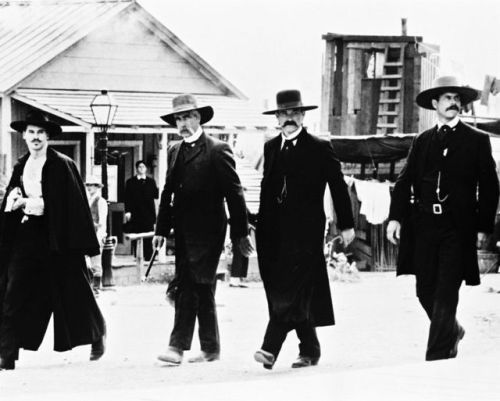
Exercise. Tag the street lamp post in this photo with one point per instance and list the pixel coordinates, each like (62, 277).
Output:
(104, 108)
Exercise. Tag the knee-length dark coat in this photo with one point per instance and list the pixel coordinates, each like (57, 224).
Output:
(77, 317)
(473, 194)
(193, 204)
(140, 198)
(290, 245)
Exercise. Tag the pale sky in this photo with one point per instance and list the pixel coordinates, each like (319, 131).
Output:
(263, 46)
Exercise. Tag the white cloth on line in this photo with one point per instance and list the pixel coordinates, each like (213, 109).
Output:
(375, 198)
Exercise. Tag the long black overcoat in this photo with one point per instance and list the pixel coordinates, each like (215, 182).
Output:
(140, 198)
(473, 194)
(77, 319)
(194, 206)
(294, 273)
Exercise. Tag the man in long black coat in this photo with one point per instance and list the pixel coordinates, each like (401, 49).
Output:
(290, 232)
(46, 230)
(140, 212)
(201, 174)
(450, 174)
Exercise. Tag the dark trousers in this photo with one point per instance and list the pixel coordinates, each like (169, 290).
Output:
(277, 331)
(439, 276)
(194, 300)
(239, 264)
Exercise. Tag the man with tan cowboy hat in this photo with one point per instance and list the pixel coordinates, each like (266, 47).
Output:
(290, 231)
(99, 212)
(443, 206)
(46, 230)
(201, 175)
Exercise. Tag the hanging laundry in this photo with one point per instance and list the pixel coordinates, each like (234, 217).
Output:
(375, 198)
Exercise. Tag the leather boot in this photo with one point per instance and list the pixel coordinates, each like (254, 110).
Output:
(7, 364)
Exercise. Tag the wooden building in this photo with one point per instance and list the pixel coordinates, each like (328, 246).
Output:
(370, 83)
(368, 93)
(56, 55)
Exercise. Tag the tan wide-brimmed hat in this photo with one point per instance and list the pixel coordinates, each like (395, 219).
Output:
(289, 99)
(444, 84)
(187, 102)
(39, 119)
(94, 180)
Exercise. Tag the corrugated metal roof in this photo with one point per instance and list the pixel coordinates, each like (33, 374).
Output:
(33, 33)
(145, 109)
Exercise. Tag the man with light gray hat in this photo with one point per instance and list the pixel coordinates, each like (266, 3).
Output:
(443, 206)
(201, 175)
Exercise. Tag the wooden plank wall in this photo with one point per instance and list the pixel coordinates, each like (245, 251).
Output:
(124, 56)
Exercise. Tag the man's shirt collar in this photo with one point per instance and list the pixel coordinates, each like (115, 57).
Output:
(195, 136)
(292, 137)
(452, 124)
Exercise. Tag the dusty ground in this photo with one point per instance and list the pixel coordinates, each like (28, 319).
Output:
(380, 328)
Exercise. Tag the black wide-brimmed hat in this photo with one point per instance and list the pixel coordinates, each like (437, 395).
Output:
(39, 119)
(187, 102)
(289, 99)
(447, 84)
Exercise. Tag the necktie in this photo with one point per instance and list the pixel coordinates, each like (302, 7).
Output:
(443, 132)
(285, 151)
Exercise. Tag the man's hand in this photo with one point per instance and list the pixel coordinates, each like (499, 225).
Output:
(19, 203)
(158, 241)
(393, 231)
(481, 240)
(348, 236)
(128, 216)
(246, 246)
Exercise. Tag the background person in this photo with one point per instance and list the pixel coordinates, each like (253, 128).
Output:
(140, 211)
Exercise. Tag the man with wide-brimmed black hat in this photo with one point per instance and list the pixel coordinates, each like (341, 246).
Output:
(201, 175)
(443, 206)
(290, 231)
(46, 230)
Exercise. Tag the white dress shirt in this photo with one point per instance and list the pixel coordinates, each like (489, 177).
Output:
(292, 137)
(32, 182)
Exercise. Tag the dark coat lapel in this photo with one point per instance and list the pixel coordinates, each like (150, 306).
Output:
(421, 161)
(456, 141)
(274, 149)
(173, 156)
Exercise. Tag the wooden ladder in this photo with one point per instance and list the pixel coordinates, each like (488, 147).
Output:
(391, 90)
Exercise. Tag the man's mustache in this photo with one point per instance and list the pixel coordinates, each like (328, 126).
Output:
(453, 108)
(289, 122)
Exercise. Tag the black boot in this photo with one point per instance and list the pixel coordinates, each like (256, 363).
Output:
(98, 347)
(7, 364)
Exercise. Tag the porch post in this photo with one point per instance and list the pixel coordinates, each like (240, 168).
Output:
(162, 174)
(5, 133)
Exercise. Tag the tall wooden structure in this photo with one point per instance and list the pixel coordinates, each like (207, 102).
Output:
(370, 83)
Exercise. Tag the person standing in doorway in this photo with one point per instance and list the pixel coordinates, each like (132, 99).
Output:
(140, 211)
(443, 206)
